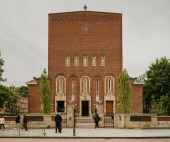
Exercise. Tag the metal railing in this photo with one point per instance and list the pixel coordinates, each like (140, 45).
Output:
(109, 120)
(35, 129)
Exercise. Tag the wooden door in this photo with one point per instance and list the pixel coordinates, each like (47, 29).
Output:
(109, 108)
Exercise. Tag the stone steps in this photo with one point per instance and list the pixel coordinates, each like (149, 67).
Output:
(85, 125)
(84, 122)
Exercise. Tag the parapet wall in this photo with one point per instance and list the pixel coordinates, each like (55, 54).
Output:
(129, 121)
(35, 120)
(141, 121)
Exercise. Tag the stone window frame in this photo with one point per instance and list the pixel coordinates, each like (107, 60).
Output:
(67, 60)
(109, 85)
(87, 91)
(60, 85)
(76, 60)
(94, 62)
(85, 61)
(102, 60)
(85, 85)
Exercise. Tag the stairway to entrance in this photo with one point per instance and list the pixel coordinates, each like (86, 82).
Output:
(84, 122)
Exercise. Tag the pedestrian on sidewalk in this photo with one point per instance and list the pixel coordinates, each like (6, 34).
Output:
(96, 120)
(17, 120)
(2, 122)
(25, 123)
(58, 120)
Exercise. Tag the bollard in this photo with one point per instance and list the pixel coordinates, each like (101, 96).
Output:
(74, 129)
(19, 133)
(44, 133)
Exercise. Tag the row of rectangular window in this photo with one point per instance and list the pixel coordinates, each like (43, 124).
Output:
(85, 61)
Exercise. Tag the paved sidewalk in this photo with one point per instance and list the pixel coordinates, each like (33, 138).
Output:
(89, 133)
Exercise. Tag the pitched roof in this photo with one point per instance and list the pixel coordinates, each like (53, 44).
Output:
(32, 81)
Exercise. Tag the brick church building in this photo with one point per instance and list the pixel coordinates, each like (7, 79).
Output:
(84, 63)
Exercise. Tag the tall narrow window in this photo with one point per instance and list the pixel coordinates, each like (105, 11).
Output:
(109, 88)
(97, 87)
(84, 85)
(60, 84)
(73, 87)
(109, 85)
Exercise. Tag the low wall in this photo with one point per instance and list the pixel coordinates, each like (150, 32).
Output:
(120, 121)
(141, 121)
(34, 120)
(163, 121)
(10, 121)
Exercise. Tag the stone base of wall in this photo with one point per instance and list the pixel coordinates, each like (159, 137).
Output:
(140, 121)
(129, 121)
(48, 121)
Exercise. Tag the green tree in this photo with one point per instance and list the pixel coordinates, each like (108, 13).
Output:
(159, 106)
(45, 93)
(153, 108)
(8, 99)
(125, 103)
(1, 69)
(23, 90)
(157, 84)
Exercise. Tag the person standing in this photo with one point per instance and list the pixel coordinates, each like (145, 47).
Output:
(17, 120)
(25, 123)
(96, 120)
(58, 120)
(2, 121)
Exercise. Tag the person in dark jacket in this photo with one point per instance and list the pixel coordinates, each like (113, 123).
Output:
(17, 120)
(96, 120)
(58, 120)
(25, 123)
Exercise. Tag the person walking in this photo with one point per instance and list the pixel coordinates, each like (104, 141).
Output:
(25, 120)
(58, 120)
(96, 120)
(2, 121)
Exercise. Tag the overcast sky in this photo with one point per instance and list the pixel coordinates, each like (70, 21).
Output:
(24, 33)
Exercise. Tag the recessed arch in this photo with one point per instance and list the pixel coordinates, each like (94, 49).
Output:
(109, 85)
(85, 85)
(60, 85)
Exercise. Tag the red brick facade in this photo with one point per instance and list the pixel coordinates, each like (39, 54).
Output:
(137, 96)
(84, 62)
(34, 105)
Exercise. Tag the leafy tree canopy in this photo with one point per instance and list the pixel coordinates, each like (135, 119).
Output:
(45, 93)
(125, 104)
(1, 69)
(23, 90)
(157, 83)
(7, 97)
